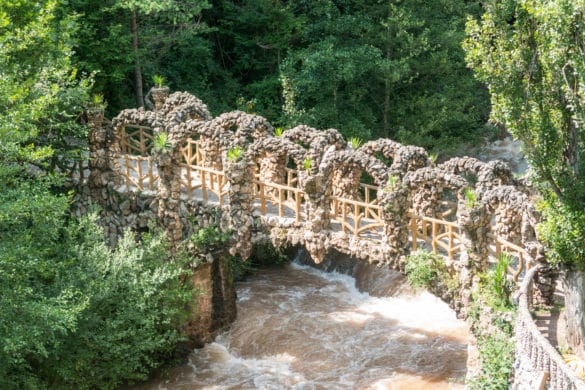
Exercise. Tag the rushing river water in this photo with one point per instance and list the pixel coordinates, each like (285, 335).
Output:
(301, 328)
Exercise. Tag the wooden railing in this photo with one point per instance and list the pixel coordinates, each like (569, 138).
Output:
(283, 197)
(369, 193)
(437, 233)
(520, 256)
(356, 217)
(139, 172)
(137, 140)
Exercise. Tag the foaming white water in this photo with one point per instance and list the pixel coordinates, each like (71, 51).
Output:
(299, 328)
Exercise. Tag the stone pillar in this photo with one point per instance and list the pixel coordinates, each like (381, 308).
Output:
(273, 169)
(210, 153)
(394, 207)
(425, 201)
(169, 192)
(474, 224)
(317, 209)
(159, 95)
(98, 155)
(215, 306)
(239, 175)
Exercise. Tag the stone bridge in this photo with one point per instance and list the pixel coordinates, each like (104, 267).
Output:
(378, 201)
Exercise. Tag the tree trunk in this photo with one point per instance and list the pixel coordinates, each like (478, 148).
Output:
(137, 70)
(574, 288)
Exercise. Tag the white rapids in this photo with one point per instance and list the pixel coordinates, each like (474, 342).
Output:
(300, 328)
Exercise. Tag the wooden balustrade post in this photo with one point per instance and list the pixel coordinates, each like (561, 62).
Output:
(434, 236)
(298, 206)
(204, 186)
(356, 219)
(280, 203)
(262, 199)
(414, 229)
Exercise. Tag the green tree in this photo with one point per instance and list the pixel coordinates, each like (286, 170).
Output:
(73, 314)
(531, 56)
(123, 40)
(386, 69)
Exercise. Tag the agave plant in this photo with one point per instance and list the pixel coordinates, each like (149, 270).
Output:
(355, 142)
(391, 183)
(235, 154)
(98, 102)
(161, 142)
(278, 131)
(470, 198)
(307, 163)
(159, 80)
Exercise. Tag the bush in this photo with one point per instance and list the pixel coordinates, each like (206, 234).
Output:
(425, 269)
(496, 353)
(93, 318)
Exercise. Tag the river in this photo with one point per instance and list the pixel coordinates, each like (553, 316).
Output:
(302, 328)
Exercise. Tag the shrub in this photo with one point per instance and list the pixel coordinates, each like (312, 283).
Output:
(209, 238)
(496, 353)
(563, 232)
(423, 268)
(135, 306)
(89, 317)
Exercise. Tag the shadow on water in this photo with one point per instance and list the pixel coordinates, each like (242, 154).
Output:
(300, 328)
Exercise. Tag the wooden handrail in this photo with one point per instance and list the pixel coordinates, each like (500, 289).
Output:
(284, 193)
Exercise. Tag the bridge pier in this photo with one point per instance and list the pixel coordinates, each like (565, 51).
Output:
(214, 308)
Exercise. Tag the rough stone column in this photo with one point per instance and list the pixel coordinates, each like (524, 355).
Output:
(159, 95)
(474, 225)
(425, 201)
(318, 218)
(98, 155)
(169, 192)
(239, 174)
(394, 207)
(508, 223)
(210, 153)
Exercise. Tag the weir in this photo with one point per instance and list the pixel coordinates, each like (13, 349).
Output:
(180, 167)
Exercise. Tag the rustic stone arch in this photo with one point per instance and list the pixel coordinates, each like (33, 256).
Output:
(180, 107)
(315, 142)
(483, 176)
(236, 128)
(270, 156)
(335, 160)
(427, 187)
(506, 209)
(403, 158)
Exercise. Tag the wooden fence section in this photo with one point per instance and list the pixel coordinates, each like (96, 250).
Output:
(356, 217)
(437, 233)
(284, 197)
(195, 177)
(369, 192)
(137, 140)
(521, 258)
(139, 172)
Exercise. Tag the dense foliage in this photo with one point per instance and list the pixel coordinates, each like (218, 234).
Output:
(531, 55)
(369, 68)
(73, 313)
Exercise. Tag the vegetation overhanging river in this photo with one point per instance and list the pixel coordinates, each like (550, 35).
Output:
(302, 328)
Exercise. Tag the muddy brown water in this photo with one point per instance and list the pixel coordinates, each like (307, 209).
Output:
(301, 328)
